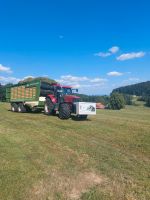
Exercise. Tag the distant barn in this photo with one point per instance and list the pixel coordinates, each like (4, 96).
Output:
(100, 106)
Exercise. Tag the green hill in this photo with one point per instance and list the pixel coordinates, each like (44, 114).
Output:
(139, 89)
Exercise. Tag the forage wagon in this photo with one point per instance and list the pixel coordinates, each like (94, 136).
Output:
(50, 98)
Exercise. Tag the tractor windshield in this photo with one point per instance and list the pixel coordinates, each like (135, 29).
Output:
(67, 91)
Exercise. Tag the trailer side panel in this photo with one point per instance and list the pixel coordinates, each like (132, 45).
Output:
(24, 92)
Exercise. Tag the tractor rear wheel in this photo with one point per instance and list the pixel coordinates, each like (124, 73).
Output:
(49, 107)
(21, 108)
(64, 111)
(14, 107)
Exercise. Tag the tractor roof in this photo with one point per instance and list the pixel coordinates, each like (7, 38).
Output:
(63, 86)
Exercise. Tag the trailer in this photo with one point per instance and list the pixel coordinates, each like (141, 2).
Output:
(50, 98)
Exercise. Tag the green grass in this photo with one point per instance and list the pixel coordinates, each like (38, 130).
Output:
(105, 157)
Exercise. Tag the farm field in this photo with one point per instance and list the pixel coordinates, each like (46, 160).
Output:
(105, 157)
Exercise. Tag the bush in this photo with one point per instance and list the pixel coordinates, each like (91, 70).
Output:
(128, 99)
(117, 101)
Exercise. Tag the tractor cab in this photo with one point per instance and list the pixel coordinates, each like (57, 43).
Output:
(65, 90)
(65, 93)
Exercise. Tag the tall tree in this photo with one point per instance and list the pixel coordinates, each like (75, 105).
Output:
(117, 101)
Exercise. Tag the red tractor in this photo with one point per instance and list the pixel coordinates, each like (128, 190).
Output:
(66, 103)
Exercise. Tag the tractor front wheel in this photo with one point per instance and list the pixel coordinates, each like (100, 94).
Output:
(64, 111)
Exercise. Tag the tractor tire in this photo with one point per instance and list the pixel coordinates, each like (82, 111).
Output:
(21, 108)
(14, 107)
(64, 111)
(49, 107)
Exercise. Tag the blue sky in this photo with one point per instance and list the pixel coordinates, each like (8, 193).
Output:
(95, 45)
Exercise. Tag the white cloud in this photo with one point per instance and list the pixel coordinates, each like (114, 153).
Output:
(111, 51)
(5, 69)
(114, 49)
(45, 75)
(128, 56)
(101, 54)
(98, 80)
(67, 78)
(86, 84)
(114, 73)
(131, 80)
(5, 80)
(76, 86)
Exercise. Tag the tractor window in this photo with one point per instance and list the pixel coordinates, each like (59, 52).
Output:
(67, 91)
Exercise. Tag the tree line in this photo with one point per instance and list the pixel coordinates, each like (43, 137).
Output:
(139, 89)
(142, 90)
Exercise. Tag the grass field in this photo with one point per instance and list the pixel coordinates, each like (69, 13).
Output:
(105, 157)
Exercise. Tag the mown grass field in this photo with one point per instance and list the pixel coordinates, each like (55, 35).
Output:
(105, 157)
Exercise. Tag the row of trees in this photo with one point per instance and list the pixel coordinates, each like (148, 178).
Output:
(139, 89)
(115, 101)
(94, 98)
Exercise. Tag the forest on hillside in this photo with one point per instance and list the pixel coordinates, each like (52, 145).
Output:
(139, 89)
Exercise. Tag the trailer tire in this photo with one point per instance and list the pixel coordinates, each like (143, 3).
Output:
(14, 107)
(49, 107)
(64, 111)
(21, 108)
(28, 109)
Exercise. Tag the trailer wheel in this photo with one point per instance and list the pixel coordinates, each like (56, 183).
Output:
(49, 107)
(14, 107)
(64, 111)
(28, 109)
(21, 108)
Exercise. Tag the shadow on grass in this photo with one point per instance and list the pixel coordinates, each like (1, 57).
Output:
(28, 112)
(78, 119)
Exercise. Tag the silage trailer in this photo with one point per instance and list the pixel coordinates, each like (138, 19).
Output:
(50, 98)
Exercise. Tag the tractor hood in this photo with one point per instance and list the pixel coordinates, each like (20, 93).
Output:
(70, 98)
